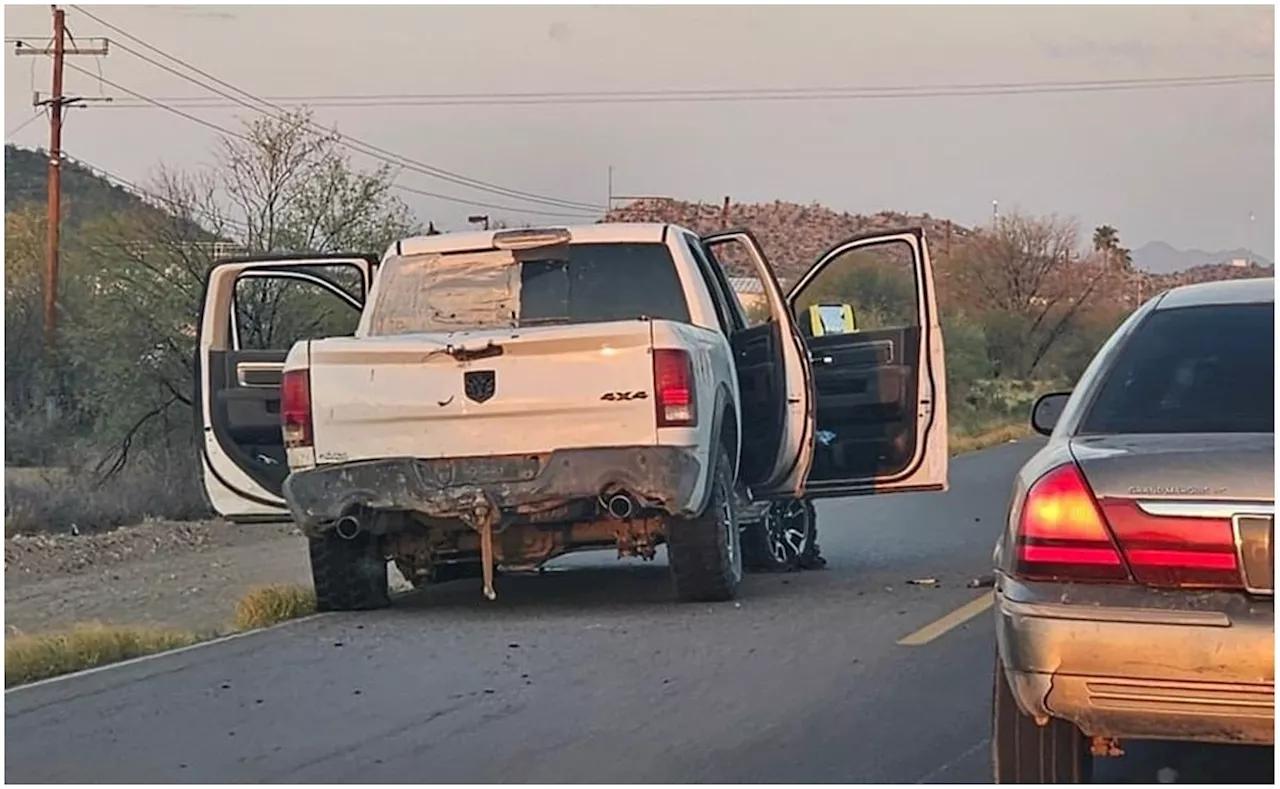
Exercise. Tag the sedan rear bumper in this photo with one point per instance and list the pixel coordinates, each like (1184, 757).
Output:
(1147, 665)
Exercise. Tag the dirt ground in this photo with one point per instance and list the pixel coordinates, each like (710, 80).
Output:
(184, 575)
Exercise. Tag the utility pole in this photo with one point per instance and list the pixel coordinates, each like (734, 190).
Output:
(610, 203)
(53, 218)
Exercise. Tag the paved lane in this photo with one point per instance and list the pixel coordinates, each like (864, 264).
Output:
(585, 675)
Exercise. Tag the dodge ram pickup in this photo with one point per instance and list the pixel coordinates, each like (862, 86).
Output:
(480, 402)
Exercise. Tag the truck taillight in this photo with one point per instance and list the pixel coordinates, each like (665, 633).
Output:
(1066, 534)
(295, 408)
(676, 399)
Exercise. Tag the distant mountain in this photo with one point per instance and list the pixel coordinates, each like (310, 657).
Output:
(1161, 258)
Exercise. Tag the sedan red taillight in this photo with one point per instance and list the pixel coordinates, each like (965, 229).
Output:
(1066, 534)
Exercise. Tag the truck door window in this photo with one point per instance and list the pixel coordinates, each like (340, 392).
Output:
(869, 289)
(274, 308)
(725, 314)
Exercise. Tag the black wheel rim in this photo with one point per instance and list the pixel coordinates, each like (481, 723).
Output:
(787, 529)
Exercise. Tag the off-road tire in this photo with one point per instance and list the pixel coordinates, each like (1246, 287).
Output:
(774, 545)
(349, 575)
(705, 553)
(1024, 753)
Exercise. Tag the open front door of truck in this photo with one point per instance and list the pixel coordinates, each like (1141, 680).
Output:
(880, 390)
(773, 379)
(254, 311)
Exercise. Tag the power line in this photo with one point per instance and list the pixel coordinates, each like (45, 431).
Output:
(703, 95)
(354, 143)
(24, 124)
(237, 135)
(140, 191)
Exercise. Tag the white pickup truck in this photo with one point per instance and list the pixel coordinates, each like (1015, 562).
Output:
(502, 398)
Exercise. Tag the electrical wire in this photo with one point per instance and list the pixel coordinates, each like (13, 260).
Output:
(744, 94)
(39, 114)
(401, 187)
(353, 143)
(124, 183)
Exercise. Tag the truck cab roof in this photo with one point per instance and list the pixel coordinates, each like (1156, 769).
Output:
(602, 233)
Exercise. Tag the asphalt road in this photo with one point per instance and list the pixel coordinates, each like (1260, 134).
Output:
(592, 675)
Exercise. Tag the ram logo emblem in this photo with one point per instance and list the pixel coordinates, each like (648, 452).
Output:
(479, 385)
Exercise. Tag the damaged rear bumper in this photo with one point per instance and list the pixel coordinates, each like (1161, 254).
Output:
(1141, 664)
(660, 478)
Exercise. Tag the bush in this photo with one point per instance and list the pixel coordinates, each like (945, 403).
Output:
(154, 486)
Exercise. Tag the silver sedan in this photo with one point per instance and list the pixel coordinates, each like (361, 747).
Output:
(1134, 578)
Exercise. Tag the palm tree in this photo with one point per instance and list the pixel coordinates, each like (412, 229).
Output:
(1106, 239)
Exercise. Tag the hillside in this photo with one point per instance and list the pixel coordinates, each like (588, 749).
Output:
(793, 236)
(86, 195)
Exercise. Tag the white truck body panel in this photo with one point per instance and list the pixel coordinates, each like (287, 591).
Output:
(404, 396)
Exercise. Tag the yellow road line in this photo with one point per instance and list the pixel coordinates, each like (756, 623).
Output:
(952, 620)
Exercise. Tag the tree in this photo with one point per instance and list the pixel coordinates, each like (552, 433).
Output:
(1106, 240)
(283, 187)
(1105, 237)
(1024, 277)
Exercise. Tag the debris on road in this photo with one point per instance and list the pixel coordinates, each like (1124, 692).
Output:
(982, 582)
(930, 582)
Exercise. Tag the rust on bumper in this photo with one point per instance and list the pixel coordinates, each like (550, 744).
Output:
(1139, 663)
(479, 490)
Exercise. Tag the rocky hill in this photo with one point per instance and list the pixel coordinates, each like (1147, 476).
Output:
(793, 236)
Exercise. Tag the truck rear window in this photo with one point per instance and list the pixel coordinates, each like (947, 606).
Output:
(1207, 369)
(576, 283)
(594, 283)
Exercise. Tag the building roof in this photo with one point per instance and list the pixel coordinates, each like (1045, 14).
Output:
(746, 285)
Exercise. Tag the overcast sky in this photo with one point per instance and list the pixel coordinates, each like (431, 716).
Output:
(1186, 166)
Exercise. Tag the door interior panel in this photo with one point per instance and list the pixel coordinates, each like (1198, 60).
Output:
(246, 412)
(865, 384)
(757, 354)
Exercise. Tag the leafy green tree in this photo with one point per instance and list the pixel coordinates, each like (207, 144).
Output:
(284, 187)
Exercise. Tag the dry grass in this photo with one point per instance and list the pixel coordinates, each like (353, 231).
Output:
(29, 658)
(32, 658)
(55, 499)
(268, 605)
(960, 442)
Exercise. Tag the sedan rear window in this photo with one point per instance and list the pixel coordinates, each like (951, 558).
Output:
(1204, 369)
(486, 289)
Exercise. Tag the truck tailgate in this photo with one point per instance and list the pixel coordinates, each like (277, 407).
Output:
(553, 387)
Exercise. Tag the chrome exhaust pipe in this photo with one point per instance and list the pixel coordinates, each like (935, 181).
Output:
(347, 527)
(620, 506)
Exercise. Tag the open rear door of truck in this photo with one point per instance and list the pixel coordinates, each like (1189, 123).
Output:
(254, 310)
